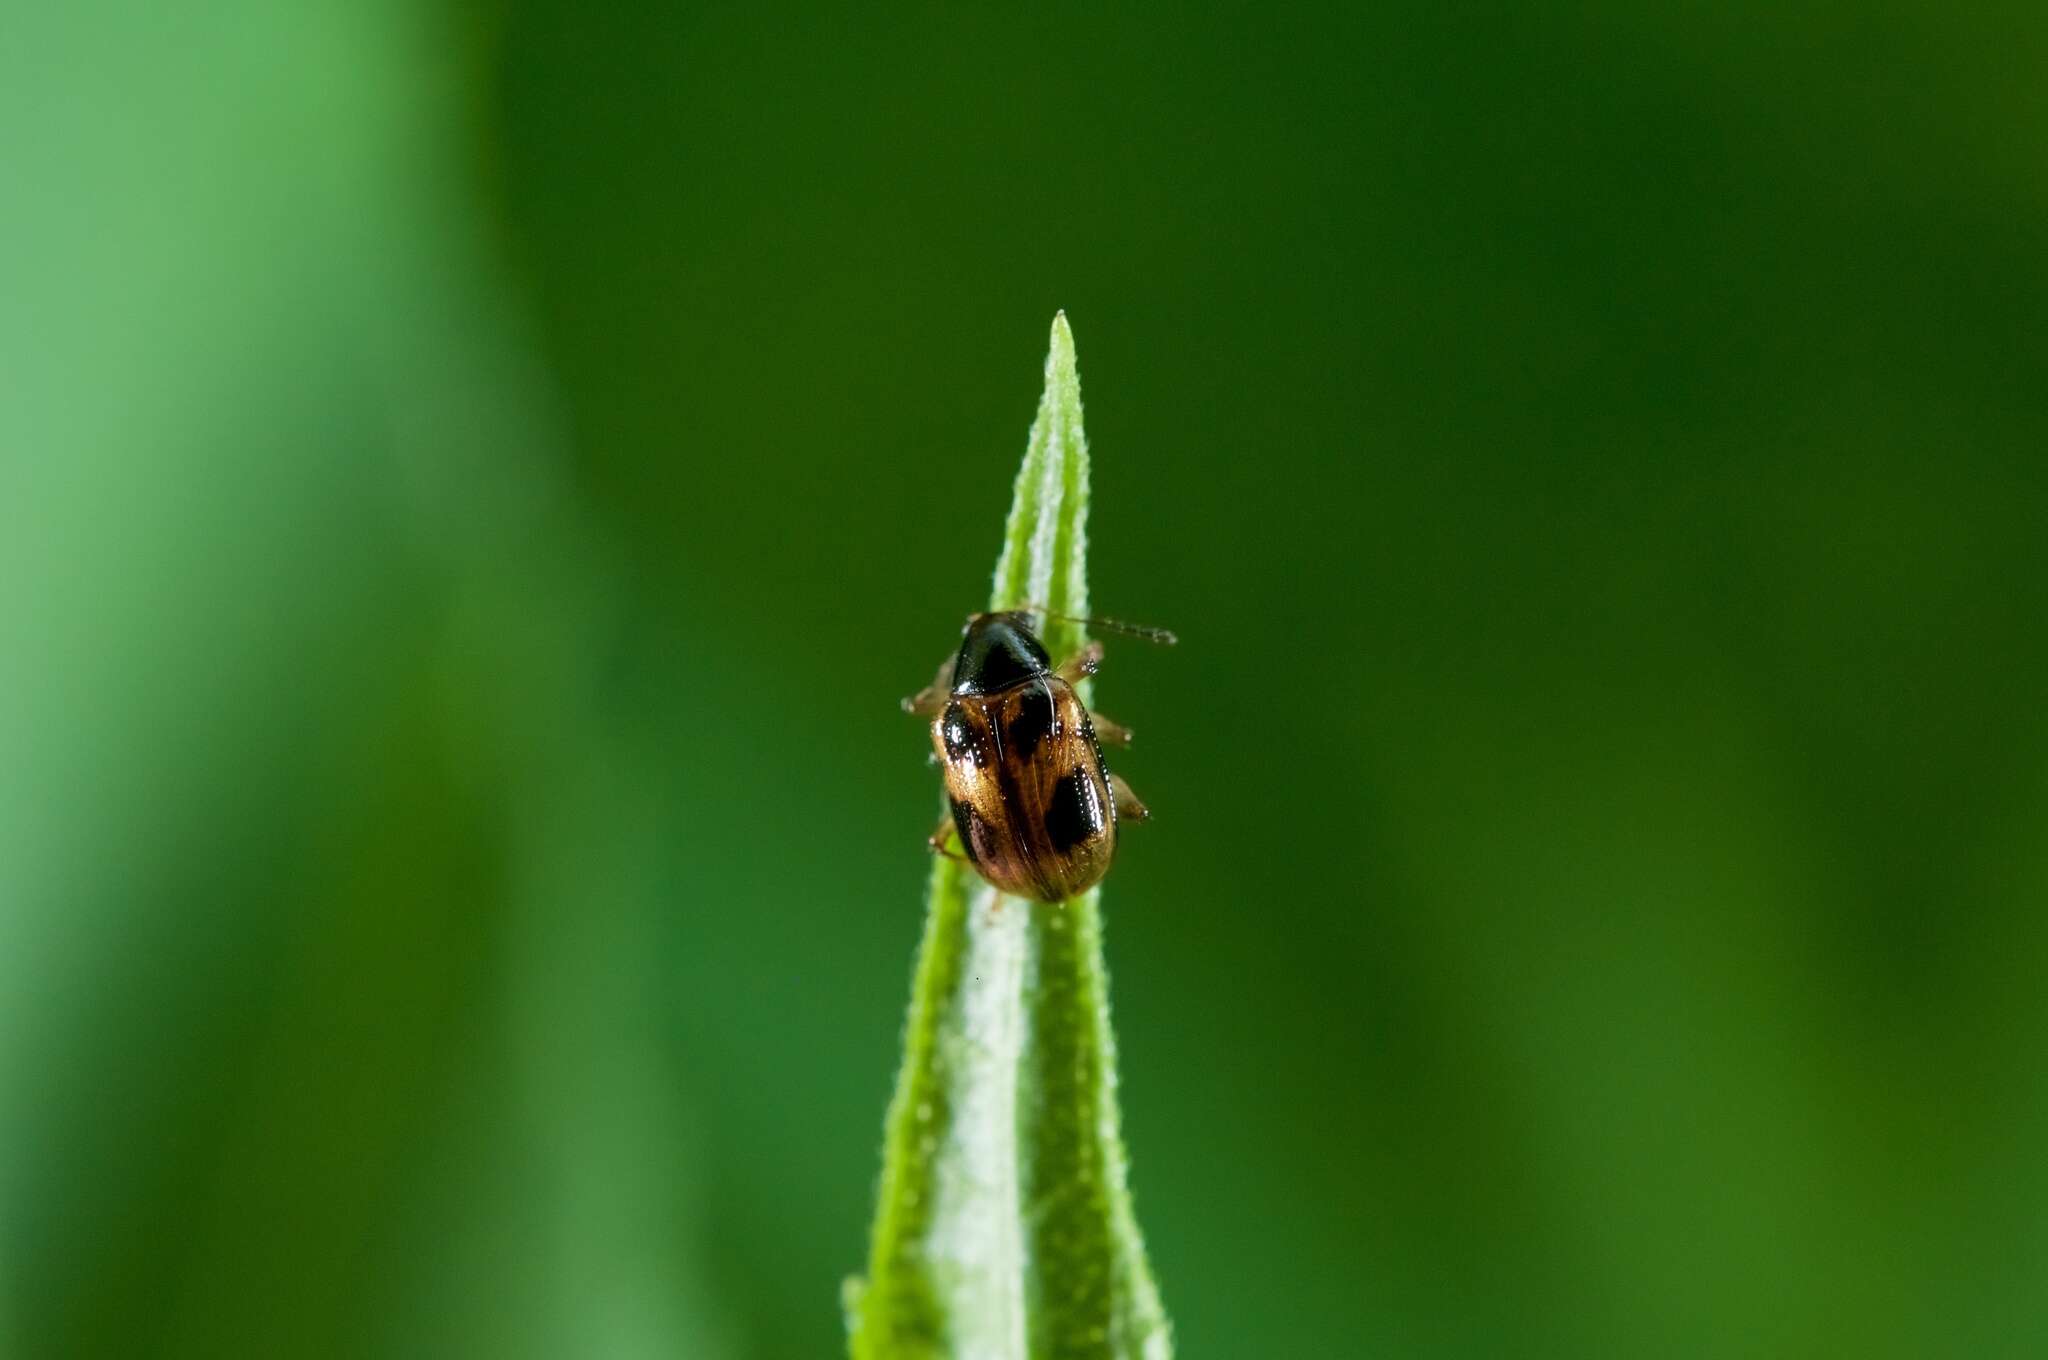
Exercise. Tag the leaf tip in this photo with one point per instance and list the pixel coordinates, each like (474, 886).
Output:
(1059, 357)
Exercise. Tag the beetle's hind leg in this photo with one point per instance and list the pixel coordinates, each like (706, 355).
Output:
(941, 834)
(930, 701)
(1128, 806)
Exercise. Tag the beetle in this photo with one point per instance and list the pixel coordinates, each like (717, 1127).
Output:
(1035, 805)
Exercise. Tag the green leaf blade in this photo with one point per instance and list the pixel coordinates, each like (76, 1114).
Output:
(1005, 1229)
(1045, 544)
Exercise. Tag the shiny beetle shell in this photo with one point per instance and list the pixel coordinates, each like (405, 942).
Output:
(1029, 791)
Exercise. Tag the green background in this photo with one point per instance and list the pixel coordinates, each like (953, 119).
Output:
(475, 480)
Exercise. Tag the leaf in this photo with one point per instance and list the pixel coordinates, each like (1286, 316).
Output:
(1004, 1229)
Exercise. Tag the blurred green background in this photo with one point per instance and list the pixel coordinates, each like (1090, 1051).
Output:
(475, 480)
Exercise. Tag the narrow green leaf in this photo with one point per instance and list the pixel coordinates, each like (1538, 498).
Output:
(1004, 1229)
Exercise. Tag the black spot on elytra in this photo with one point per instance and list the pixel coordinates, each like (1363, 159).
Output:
(965, 820)
(1032, 721)
(1073, 815)
(957, 735)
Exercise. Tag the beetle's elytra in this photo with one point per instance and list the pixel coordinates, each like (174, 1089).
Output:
(1031, 797)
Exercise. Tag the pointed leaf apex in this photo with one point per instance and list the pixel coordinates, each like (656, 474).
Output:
(1059, 353)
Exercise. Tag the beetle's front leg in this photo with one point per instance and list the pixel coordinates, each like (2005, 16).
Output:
(930, 701)
(1080, 665)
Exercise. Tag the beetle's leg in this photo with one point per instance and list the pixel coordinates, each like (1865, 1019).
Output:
(1080, 665)
(930, 701)
(940, 835)
(1110, 731)
(1128, 808)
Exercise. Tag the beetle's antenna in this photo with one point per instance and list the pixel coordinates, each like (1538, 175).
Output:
(1143, 632)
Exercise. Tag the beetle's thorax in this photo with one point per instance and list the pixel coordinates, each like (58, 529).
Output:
(999, 651)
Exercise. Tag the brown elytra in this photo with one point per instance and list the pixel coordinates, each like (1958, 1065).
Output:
(1031, 797)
